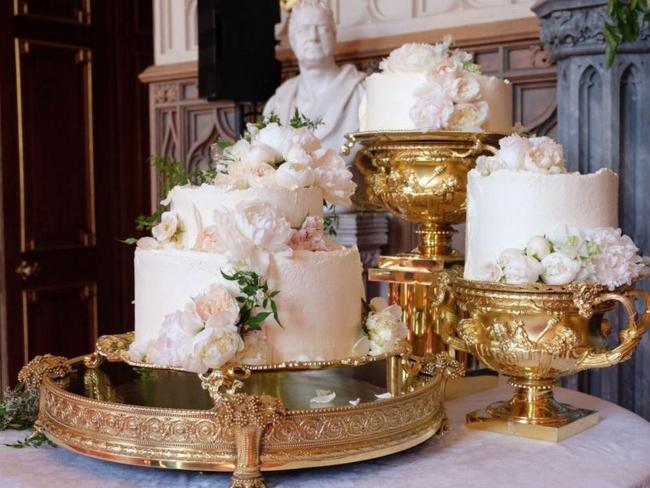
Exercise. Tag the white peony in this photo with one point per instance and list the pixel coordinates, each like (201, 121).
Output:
(465, 88)
(538, 247)
(414, 57)
(512, 151)
(256, 349)
(236, 152)
(305, 138)
(616, 261)
(519, 269)
(263, 226)
(431, 112)
(294, 176)
(569, 241)
(213, 347)
(175, 340)
(298, 155)
(544, 156)
(138, 351)
(486, 165)
(385, 326)
(333, 177)
(167, 227)
(235, 179)
(260, 153)
(468, 116)
(559, 269)
(217, 307)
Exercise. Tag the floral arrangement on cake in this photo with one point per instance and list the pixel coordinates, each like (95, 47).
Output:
(450, 99)
(602, 255)
(272, 155)
(218, 326)
(521, 153)
(383, 328)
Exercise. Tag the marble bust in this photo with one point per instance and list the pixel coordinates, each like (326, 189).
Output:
(322, 90)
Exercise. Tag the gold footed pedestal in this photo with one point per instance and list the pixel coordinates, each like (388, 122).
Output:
(421, 177)
(536, 334)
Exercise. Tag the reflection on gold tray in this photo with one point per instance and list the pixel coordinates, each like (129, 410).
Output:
(115, 348)
(163, 418)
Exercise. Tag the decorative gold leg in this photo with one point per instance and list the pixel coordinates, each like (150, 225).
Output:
(247, 470)
(93, 360)
(533, 412)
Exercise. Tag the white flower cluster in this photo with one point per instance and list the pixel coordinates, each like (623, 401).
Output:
(601, 255)
(285, 157)
(248, 234)
(385, 329)
(450, 98)
(517, 153)
(203, 336)
(165, 233)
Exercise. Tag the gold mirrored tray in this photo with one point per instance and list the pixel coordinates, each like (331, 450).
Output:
(164, 418)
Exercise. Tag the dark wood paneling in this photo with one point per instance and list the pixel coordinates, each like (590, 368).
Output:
(61, 319)
(55, 136)
(77, 11)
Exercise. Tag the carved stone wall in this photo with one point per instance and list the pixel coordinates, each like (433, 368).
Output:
(603, 116)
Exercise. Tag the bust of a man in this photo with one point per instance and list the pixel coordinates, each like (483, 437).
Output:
(322, 90)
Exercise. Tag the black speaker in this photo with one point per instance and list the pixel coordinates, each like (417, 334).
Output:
(237, 49)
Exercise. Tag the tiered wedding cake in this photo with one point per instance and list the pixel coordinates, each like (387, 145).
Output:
(528, 220)
(431, 87)
(241, 268)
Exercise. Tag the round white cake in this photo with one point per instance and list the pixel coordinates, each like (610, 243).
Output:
(506, 208)
(432, 87)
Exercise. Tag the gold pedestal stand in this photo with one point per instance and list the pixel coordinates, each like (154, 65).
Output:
(536, 334)
(249, 419)
(421, 177)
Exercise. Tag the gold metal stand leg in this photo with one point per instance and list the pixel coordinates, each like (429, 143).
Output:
(533, 412)
(247, 472)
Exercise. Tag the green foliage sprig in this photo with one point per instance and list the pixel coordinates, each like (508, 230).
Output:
(624, 23)
(331, 219)
(35, 439)
(299, 120)
(19, 411)
(256, 300)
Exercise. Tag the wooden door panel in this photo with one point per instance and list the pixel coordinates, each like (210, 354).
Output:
(60, 320)
(77, 11)
(56, 163)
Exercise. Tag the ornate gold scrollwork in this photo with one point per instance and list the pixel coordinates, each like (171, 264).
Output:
(44, 366)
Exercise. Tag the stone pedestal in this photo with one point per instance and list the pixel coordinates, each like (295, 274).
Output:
(603, 120)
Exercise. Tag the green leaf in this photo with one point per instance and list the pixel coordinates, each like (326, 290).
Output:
(129, 240)
(255, 321)
(146, 222)
(274, 308)
(35, 439)
(299, 120)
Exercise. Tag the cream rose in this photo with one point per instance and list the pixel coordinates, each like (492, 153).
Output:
(217, 307)
(213, 347)
(235, 179)
(167, 227)
(261, 175)
(465, 89)
(294, 176)
(236, 151)
(385, 327)
(519, 269)
(332, 177)
(414, 57)
(544, 156)
(468, 116)
(256, 349)
(275, 136)
(431, 112)
(559, 269)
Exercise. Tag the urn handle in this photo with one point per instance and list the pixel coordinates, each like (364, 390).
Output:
(629, 337)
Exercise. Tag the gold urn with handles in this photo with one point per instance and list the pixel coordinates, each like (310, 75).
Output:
(420, 177)
(535, 334)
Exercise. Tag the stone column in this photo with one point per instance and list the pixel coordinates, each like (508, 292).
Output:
(604, 122)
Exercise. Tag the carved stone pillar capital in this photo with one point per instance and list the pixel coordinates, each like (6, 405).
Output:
(575, 27)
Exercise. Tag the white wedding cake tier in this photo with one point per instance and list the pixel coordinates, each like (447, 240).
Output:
(529, 221)
(319, 302)
(195, 206)
(241, 267)
(507, 208)
(431, 87)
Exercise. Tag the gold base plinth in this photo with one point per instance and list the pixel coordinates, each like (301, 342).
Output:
(484, 420)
